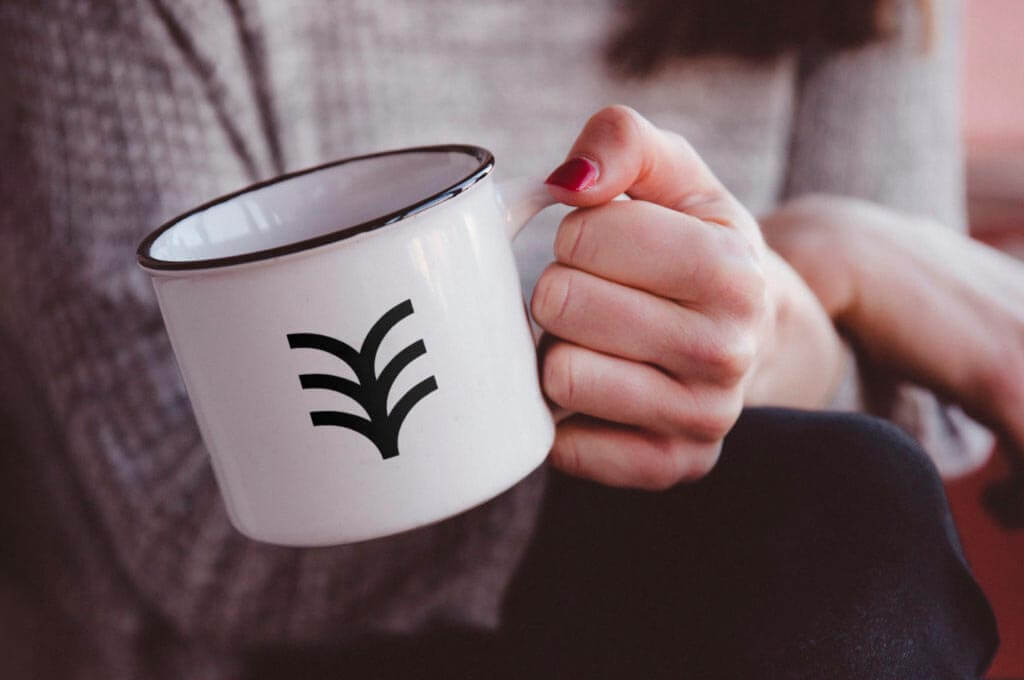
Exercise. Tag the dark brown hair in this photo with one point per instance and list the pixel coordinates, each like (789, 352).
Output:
(659, 31)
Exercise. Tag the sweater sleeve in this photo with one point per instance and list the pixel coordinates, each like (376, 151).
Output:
(882, 123)
(114, 117)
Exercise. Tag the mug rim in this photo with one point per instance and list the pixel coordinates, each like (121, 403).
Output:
(486, 164)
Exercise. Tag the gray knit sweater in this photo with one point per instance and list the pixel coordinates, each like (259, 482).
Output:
(116, 115)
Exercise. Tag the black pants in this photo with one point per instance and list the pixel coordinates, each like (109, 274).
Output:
(821, 546)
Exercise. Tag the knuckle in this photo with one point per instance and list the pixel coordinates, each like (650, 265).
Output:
(615, 125)
(751, 287)
(676, 414)
(742, 284)
(716, 415)
(665, 468)
(728, 357)
(702, 461)
(679, 345)
(740, 356)
(678, 460)
(736, 281)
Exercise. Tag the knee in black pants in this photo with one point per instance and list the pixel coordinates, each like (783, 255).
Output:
(821, 546)
(864, 566)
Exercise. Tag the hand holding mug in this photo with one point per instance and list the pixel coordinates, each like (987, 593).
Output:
(657, 310)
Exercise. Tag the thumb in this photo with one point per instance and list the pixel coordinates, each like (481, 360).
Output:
(620, 151)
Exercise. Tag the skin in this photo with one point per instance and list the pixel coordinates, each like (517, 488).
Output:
(930, 304)
(666, 314)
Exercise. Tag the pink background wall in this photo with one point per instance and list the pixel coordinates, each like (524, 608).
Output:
(994, 71)
(993, 94)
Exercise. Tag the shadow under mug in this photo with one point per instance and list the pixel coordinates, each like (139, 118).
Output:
(354, 342)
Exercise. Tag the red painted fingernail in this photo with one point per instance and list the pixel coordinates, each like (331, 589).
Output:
(576, 174)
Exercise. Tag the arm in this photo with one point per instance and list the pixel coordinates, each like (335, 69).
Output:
(925, 303)
(667, 313)
(881, 124)
(136, 515)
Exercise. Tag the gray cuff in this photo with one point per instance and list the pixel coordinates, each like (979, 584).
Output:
(954, 441)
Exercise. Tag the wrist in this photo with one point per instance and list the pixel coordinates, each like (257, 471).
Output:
(803, 359)
(822, 249)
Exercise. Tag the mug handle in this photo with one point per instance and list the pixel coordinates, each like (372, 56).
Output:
(519, 200)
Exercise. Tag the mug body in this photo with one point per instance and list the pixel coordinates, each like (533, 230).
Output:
(362, 386)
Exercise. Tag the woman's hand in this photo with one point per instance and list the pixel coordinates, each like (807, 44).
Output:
(929, 303)
(661, 313)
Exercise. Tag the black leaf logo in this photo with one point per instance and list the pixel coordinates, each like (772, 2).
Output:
(372, 390)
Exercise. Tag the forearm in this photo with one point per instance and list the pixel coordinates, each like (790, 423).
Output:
(928, 304)
(944, 311)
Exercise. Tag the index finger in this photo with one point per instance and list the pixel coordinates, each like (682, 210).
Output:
(619, 151)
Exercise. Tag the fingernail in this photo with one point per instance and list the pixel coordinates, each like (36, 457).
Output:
(576, 174)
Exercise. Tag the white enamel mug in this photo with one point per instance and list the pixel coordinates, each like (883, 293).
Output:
(355, 344)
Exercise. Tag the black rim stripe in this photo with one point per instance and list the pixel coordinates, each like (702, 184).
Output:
(484, 156)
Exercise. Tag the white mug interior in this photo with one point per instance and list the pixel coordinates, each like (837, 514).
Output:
(335, 201)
